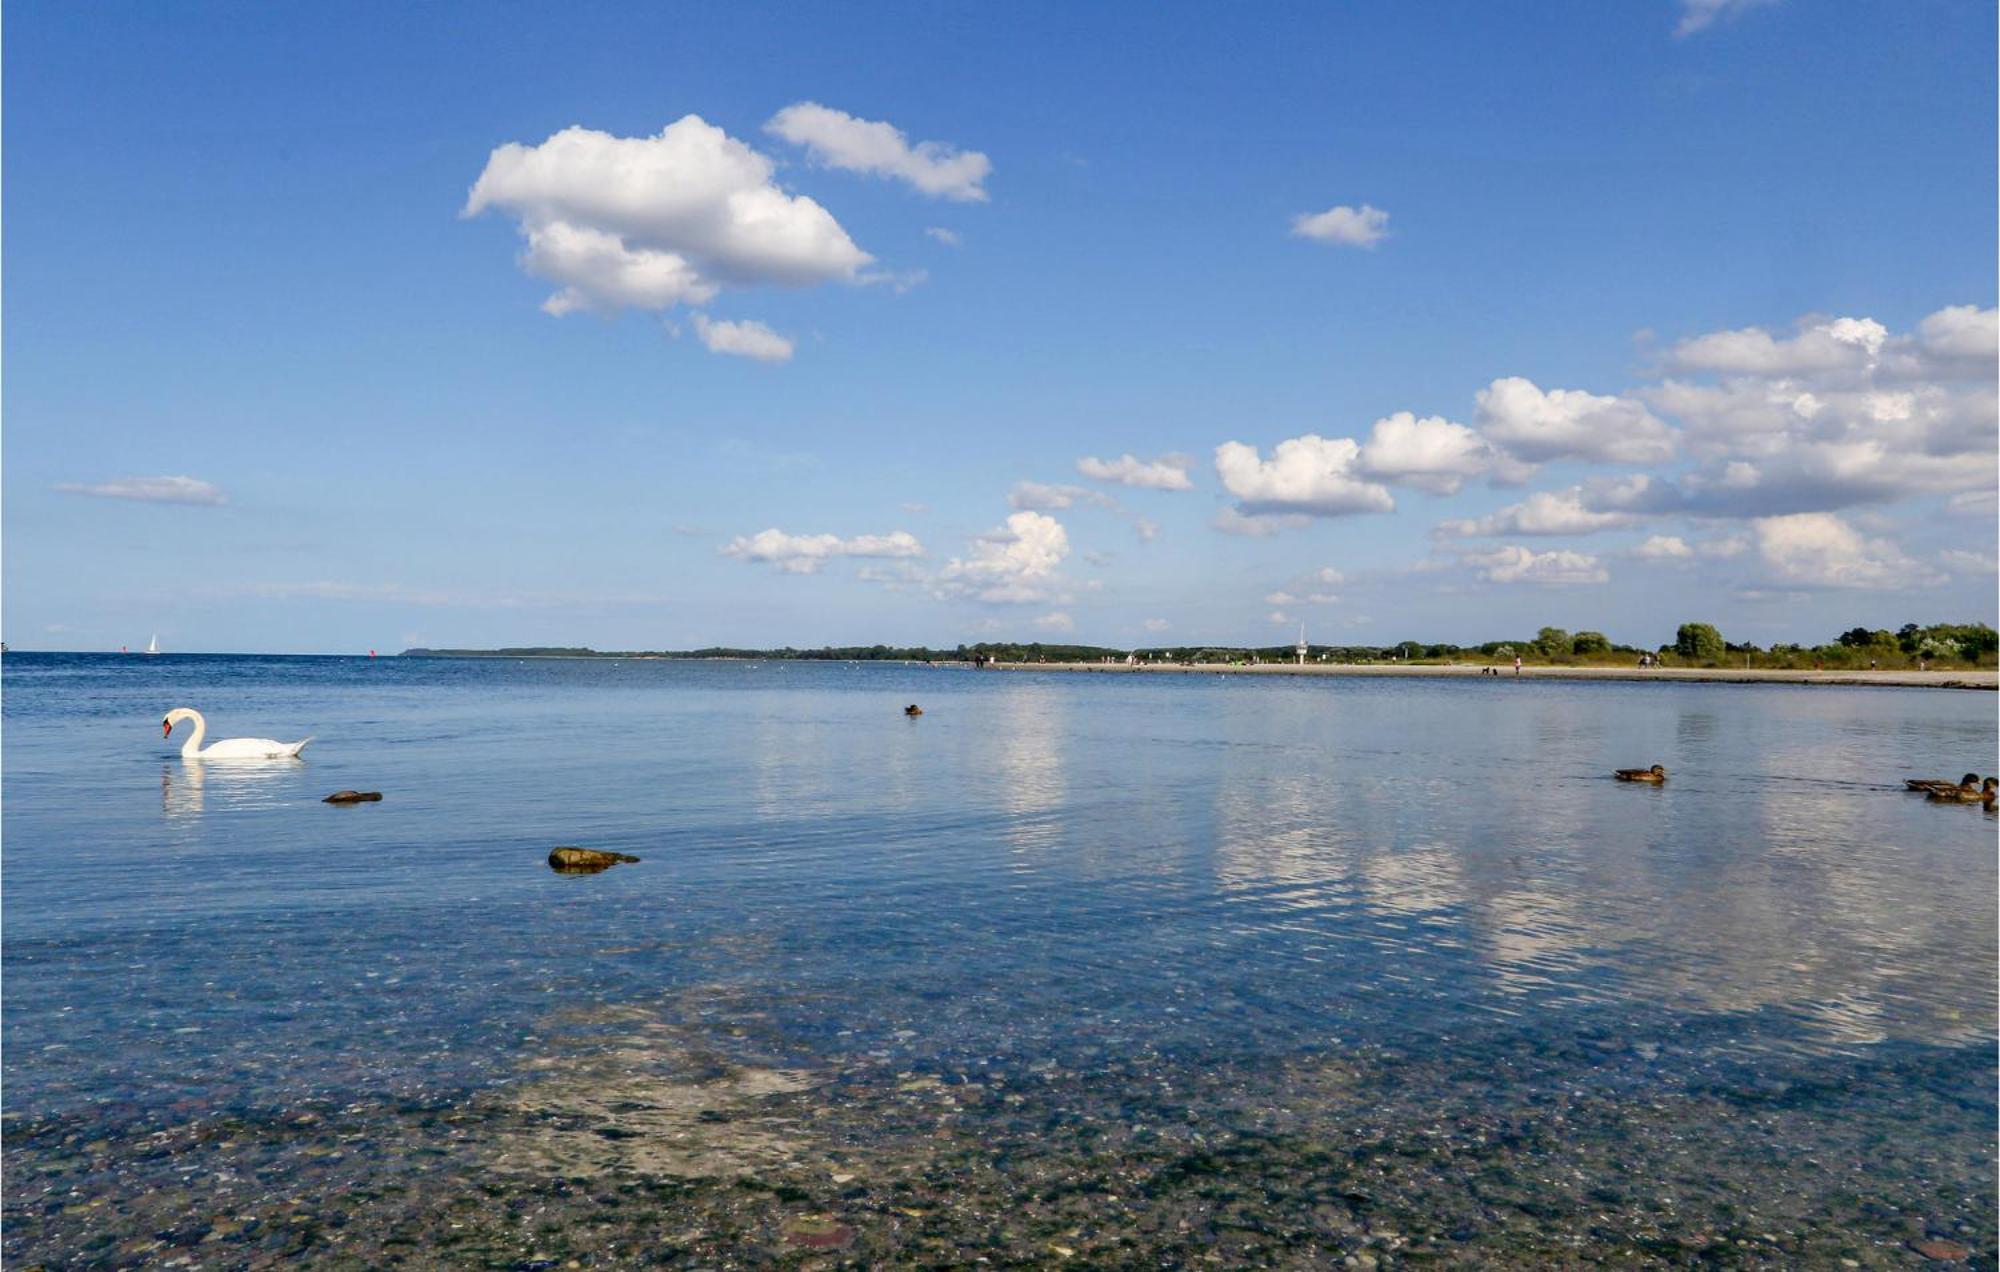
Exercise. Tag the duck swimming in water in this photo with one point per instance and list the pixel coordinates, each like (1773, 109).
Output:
(1983, 793)
(1936, 785)
(1655, 775)
(913, 710)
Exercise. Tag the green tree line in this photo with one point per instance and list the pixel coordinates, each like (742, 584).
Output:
(1695, 644)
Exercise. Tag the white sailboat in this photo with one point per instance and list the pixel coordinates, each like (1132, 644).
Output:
(153, 645)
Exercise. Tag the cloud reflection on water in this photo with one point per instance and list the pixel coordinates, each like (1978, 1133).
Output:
(1720, 893)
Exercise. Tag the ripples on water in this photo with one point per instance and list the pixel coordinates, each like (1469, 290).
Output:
(1072, 872)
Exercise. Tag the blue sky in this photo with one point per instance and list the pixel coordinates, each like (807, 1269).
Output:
(1690, 308)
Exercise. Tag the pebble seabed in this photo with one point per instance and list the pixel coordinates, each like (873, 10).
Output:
(697, 1130)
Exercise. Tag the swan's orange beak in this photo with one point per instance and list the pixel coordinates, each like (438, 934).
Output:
(166, 728)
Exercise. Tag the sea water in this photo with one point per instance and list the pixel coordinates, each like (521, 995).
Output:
(1142, 968)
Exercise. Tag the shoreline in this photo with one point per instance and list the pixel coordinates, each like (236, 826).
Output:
(1989, 680)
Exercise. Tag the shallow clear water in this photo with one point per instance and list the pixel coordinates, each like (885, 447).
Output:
(1085, 885)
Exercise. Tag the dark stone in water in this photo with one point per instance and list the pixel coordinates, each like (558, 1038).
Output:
(584, 860)
(353, 797)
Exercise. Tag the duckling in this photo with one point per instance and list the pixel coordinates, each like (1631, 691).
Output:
(1934, 784)
(1969, 794)
(913, 710)
(1655, 774)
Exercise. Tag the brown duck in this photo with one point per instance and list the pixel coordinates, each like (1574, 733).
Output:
(1982, 794)
(1938, 785)
(1655, 775)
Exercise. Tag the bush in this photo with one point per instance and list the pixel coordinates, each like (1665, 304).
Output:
(1862, 638)
(1699, 642)
(1591, 643)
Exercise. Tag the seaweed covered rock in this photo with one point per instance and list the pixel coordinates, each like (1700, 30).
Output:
(565, 860)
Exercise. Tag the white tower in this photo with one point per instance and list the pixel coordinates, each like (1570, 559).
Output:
(1302, 644)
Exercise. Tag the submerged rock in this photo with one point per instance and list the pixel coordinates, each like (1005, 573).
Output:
(353, 797)
(1942, 1251)
(621, 1091)
(818, 1232)
(584, 860)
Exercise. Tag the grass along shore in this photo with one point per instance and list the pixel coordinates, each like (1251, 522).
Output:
(1901, 678)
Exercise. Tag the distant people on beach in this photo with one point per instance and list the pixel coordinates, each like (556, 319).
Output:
(1517, 664)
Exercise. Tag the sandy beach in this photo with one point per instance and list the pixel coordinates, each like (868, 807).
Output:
(1713, 675)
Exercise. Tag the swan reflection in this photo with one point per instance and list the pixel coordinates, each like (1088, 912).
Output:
(187, 788)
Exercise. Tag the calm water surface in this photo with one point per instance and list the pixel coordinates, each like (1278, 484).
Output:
(1141, 968)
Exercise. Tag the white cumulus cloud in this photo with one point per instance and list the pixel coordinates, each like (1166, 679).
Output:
(1664, 547)
(950, 238)
(178, 490)
(1013, 563)
(1963, 331)
(1539, 426)
(1364, 226)
(1846, 412)
(1516, 564)
(1310, 476)
(1542, 513)
(1818, 549)
(1431, 453)
(745, 338)
(840, 140)
(1819, 346)
(1168, 472)
(601, 271)
(806, 553)
(654, 222)
(1055, 621)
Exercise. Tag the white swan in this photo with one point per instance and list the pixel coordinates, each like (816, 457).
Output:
(228, 748)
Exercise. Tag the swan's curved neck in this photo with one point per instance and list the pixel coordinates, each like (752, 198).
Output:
(192, 747)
